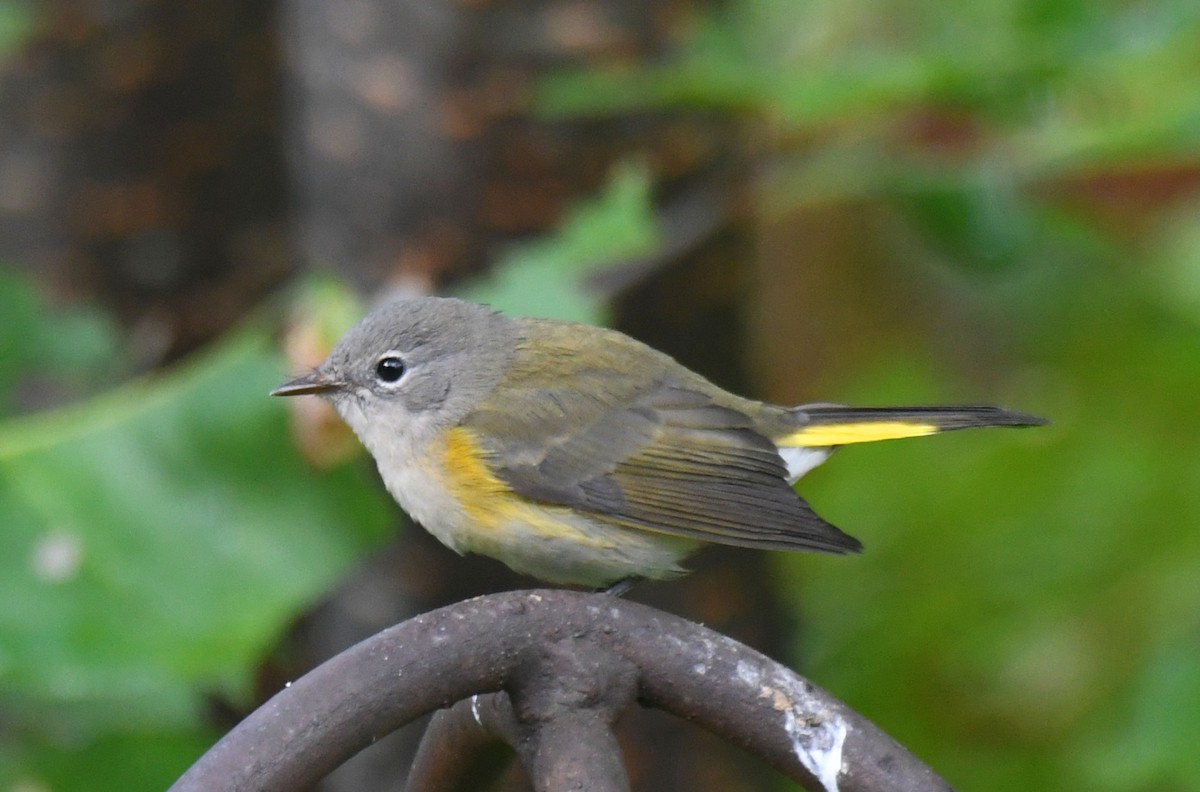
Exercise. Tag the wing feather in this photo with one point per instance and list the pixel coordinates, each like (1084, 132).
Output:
(659, 456)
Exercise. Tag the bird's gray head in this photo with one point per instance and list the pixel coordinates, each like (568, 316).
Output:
(413, 365)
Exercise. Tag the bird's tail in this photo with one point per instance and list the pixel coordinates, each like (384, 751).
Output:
(826, 425)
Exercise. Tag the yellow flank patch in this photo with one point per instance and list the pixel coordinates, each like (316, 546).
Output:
(491, 504)
(820, 436)
(483, 497)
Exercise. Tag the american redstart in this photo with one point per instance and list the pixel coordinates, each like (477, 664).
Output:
(578, 455)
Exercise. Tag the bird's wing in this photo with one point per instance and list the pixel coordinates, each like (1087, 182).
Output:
(569, 426)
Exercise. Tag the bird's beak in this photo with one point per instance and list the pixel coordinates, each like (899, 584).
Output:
(315, 381)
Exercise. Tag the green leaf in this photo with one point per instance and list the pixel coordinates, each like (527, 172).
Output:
(157, 540)
(123, 761)
(75, 349)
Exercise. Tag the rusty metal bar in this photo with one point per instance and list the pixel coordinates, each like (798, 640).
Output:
(570, 663)
(465, 747)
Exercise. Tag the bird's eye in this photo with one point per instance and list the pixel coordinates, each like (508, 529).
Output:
(389, 369)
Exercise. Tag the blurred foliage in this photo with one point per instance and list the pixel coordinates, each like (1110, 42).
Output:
(1027, 612)
(1026, 604)
(963, 115)
(1069, 80)
(15, 22)
(157, 540)
(547, 278)
(52, 354)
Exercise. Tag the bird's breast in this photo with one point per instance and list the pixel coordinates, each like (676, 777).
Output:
(450, 489)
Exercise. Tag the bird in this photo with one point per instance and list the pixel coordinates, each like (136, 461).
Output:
(579, 455)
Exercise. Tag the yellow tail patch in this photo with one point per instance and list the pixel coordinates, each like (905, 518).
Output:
(820, 436)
